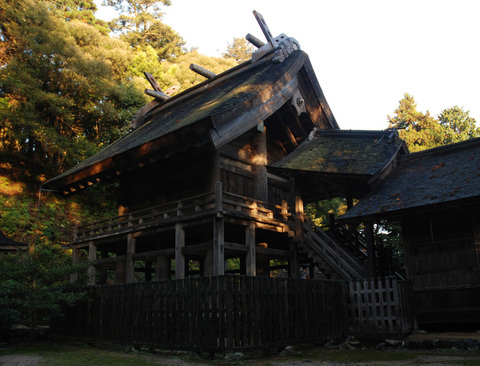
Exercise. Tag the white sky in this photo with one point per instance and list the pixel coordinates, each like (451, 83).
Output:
(366, 53)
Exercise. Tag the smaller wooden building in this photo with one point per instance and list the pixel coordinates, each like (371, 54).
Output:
(435, 195)
(8, 245)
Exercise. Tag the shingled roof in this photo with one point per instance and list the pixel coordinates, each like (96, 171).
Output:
(437, 177)
(341, 162)
(202, 115)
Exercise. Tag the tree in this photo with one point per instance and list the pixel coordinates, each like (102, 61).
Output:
(419, 131)
(35, 286)
(64, 89)
(240, 50)
(459, 126)
(140, 25)
(422, 131)
(81, 10)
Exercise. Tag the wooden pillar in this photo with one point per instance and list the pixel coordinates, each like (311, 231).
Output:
(218, 265)
(259, 168)
(120, 270)
(218, 246)
(250, 259)
(130, 263)
(162, 268)
(263, 262)
(371, 273)
(293, 262)
(208, 263)
(92, 257)
(102, 277)
(75, 261)
(179, 257)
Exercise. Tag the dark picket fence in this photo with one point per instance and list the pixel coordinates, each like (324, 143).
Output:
(211, 313)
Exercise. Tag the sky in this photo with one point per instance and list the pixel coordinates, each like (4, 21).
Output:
(366, 54)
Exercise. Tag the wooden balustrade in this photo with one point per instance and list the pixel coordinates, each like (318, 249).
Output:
(204, 204)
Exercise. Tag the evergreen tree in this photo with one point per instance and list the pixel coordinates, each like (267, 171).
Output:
(64, 89)
(420, 131)
(240, 50)
(140, 25)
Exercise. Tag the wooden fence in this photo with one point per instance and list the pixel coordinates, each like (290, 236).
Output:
(211, 313)
(381, 306)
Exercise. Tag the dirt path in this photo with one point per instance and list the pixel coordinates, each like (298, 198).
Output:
(20, 360)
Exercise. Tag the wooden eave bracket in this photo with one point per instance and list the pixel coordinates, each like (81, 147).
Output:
(282, 46)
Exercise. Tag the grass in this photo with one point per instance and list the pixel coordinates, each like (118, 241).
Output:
(58, 354)
(75, 355)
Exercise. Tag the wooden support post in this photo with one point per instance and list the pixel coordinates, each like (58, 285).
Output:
(130, 264)
(218, 246)
(370, 249)
(92, 257)
(250, 267)
(259, 164)
(120, 270)
(75, 261)
(162, 268)
(293, 262)
(208, 263)
(179, 257)
(218, 197)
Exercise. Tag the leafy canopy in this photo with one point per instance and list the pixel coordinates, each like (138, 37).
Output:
(140, 25)
(64, 88)
(421, 131)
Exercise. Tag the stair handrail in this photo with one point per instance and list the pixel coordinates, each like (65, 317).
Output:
(321, 247)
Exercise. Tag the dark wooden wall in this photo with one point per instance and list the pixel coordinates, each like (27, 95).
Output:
(442, 256)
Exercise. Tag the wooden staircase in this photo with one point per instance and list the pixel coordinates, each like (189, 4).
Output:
(332, 258)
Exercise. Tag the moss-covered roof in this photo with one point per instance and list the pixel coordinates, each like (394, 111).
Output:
(344, 152)
(439, 176)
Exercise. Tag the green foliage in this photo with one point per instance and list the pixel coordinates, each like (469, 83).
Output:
(64, 87)
(35, 286)
(140, 25)
(319, 212)
(458, 124)
(240, 50)
(422, 131)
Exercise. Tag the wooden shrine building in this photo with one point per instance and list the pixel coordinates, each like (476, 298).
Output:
(435, 195)
(195, 188)
(213, 181)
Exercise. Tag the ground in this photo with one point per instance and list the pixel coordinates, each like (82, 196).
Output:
(77, 354)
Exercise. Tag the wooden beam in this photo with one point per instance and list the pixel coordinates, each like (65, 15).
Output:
(153, 82)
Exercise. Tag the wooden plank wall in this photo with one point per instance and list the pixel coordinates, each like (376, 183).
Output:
(212, 313)
(381, 306)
